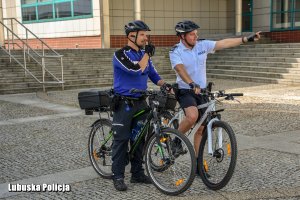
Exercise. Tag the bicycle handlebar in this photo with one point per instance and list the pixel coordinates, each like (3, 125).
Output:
(236, 94)
(143, 92)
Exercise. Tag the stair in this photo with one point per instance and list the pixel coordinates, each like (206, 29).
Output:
(266, 63)
(92, 68)
(88, 68)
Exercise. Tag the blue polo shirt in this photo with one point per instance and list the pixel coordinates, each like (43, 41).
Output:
(194, 61)
(128, 74)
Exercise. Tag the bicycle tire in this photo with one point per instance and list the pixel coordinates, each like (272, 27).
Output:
(206, 168)
(100, 157)
(179, 181)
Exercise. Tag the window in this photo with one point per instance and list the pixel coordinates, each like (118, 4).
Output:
(29, 14)
(82, 7)
(28, 1)
(63, 10)
(52, 10)
(45, 11)
(247, 15)
(285, 14)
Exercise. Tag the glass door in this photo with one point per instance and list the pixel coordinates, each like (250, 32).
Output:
(247, 6)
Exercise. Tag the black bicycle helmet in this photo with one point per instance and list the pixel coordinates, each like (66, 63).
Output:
(136, 25)
(185, 27)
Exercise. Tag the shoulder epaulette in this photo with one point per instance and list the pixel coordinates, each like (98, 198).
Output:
(174, 47)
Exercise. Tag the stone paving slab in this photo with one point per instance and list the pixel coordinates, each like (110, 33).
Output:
(43, 147)
(9, 110)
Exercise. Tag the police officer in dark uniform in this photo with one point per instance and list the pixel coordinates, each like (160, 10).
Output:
(132, 67)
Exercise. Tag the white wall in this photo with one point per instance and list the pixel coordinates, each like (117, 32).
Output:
(68, 28)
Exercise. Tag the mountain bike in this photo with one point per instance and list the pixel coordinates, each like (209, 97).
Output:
(217, 153)
(172, 172)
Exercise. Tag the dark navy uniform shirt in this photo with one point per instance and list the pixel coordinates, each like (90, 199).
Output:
(128, 74)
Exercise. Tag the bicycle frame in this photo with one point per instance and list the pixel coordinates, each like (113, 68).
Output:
(145, 131)
(210, 108)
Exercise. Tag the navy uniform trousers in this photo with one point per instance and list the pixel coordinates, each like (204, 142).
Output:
(122, 125)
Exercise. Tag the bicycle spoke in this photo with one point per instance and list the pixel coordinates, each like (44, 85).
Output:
(100, 142)
(177, 173)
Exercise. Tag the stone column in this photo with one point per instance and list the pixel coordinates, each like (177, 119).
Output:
(238, 17)
(1, 27)
(105, 27)
(286, 14)
(137, 10)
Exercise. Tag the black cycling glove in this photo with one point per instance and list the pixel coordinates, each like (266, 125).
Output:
(166, 87)
(251, 37)
(194, 85)
(150, 49)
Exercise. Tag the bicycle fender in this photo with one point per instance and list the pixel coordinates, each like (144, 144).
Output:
(95, 122)
(209, 136)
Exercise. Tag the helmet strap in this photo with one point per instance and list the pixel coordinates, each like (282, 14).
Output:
(183, 38)
(134, 42)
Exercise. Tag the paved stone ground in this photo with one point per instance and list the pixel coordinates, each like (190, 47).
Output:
(44, 140)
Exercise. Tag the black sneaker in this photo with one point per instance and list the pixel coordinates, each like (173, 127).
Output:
(177, 148)
(119, 184)
(140, 179)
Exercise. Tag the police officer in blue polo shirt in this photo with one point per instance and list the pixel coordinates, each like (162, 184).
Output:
(188, 58)
(132, 67)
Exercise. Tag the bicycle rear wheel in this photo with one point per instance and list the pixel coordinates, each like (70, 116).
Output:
(177, 168)
(100, 147)
(217, 169)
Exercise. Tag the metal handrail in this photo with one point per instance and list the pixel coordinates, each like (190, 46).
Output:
(27, 30)
(27, 47)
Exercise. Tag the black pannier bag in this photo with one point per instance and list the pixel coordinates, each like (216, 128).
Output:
(95, 100)
(166, 102)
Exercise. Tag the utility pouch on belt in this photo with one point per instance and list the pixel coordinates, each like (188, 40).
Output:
(115, 103)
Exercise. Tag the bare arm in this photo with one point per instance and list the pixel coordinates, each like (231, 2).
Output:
(233, 42)
(160, 82)
(227, 43)
(180, 69)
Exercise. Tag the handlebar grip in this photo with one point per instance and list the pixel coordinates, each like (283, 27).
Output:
(236, 94)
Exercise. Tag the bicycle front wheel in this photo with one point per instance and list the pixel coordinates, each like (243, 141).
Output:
(100, 147)
(176, 162)
(216, 169)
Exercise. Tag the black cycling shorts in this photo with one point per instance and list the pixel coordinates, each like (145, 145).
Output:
(187, 98)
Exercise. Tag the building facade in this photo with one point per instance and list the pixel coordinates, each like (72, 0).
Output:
(99, 23)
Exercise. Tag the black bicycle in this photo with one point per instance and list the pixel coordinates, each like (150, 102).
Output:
(171, 169)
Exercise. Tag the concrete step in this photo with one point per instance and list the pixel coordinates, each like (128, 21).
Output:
(252, 63)
(257, 59)
(254, 79)
(255, 74)
(273, 45)
(257, 54)
(273, 50)
(255, 68)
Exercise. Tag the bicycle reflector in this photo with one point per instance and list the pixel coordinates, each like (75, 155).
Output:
(164, 139)
(228, 149)
(179, 182)
(205, 166)
(95, 155)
